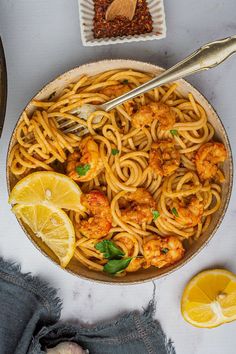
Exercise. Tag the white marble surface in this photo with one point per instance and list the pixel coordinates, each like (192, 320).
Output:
(41, 40)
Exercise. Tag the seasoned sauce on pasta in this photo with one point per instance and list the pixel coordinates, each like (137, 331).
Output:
(149, 169)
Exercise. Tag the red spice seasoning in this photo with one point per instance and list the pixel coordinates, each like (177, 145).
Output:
(121, 26)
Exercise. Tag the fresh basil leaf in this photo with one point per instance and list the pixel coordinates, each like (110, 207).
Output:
(114, 151)
(155, 214)
(174, 132)
(109, 249)
(125, 81)
(175, 212)
(164, 250)
(116, 265)
(82, 169)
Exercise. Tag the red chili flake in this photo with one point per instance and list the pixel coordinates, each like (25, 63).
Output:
(121, 26)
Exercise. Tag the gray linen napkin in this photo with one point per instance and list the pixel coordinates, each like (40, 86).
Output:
(29, 311)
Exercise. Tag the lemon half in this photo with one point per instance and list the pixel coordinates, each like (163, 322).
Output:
(209, 299)
(47, 188)
(52, 225)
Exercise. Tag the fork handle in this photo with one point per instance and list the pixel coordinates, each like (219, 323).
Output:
(206, 57)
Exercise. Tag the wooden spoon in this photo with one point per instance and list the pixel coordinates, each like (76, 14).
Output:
(124, 8)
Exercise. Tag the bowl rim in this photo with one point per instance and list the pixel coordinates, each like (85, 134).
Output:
(180, 264)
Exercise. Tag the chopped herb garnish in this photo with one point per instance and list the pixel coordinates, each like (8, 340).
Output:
(52, 95)
(174, 132)
(125, 81)
(175, 212)
(114, 151)
(116, 265)
(164, 250)
(82, 169)
(155, 214)
(109, 249)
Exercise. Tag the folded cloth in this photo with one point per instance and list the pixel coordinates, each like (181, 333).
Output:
(29, 311)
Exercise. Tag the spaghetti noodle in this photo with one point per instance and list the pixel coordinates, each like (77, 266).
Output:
(146, 157)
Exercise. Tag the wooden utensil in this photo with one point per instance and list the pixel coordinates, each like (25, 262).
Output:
(125, 8)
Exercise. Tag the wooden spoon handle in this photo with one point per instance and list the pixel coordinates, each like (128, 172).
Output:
(125, 8)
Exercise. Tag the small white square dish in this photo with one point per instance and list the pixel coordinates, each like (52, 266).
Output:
(87, 12)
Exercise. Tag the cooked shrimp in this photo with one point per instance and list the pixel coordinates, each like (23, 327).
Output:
(162, 252)
(207, 158)
(189, 213)
(115, 90)
(85, 164)
(119, 90)
(135, 264)
(155, 110)
(138, 206)
(128, 243)
(99, 223)
(164, 158)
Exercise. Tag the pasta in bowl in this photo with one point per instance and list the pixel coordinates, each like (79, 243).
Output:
(155, 174)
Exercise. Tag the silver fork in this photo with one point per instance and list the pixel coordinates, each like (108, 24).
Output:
(206, 57)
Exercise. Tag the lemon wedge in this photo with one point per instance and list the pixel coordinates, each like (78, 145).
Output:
(47, 188)
(209, 299)
(52, 225)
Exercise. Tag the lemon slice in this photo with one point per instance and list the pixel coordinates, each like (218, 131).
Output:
(47, 188)
(209, 299)
(52, 225)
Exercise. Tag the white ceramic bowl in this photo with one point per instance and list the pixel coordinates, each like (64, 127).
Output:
(220, 134)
